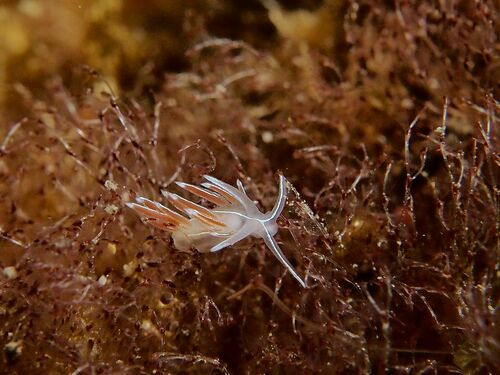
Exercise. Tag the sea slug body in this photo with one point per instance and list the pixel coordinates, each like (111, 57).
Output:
(234, 217)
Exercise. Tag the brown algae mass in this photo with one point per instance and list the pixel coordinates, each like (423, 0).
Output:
(382, 116)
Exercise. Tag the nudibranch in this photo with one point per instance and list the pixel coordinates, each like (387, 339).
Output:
(234, 217)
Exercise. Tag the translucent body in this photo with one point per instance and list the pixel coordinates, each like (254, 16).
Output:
(234, 218)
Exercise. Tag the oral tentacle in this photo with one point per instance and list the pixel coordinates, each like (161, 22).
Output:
(273, 246)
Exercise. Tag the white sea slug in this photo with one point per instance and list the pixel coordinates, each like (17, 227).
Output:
(234, 217)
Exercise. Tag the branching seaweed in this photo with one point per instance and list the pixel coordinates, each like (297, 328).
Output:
(386, 133)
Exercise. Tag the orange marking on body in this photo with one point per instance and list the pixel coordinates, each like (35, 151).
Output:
(169, 217)
(222, 192)
(159, 207)
(188, 207)
(209, 221)
(203, 193)
(160, 225)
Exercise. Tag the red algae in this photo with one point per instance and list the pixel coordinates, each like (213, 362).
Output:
(384, 124)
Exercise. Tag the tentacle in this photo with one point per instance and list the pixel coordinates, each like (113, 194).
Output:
(280, 201)
(240, 186)
(273, 246)
(243, 191)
